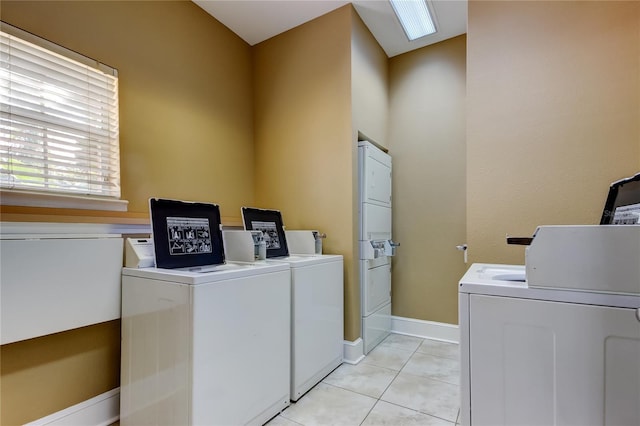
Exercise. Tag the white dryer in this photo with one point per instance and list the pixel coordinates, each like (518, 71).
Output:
(317, 299)
(317, 318)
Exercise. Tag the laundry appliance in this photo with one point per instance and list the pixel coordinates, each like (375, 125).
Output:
(203, 341)
(375, 241)
(555, 341)
(317, 294)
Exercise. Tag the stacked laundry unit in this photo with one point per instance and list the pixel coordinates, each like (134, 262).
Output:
(376, 245)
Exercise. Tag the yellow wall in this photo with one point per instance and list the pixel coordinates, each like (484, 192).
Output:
(370, 111)
(303, 132)
(186, 122)
(428, 143)
(186, 131)
(370, 85)
(43, 375)
(553, 115)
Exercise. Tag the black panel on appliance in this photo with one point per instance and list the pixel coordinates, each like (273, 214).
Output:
(623, 193)
(186, 234)
(270, 223)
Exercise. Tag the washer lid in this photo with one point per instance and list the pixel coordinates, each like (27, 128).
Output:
(272, 227)
(185, 234)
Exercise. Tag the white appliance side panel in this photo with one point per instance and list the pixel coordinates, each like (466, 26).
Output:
(241, 349)
(317, 324)
(540, 362)
(155, 385)
(376, 327)
(53, 285)
(377, 177)
(465, 376)
(376, 222)
(376, 289)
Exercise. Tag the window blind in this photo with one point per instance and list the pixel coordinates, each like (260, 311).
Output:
(59, 124)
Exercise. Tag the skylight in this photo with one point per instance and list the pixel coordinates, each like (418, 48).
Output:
(414, 17)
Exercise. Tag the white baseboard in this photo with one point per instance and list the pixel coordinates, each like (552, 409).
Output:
(101, 410)
(425, 329)
(353, 352)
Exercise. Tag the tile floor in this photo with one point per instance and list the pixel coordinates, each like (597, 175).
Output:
(404, 381)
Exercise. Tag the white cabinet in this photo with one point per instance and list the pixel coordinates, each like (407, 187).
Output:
(539, 362)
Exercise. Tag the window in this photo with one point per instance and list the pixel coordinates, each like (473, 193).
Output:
(59, 129)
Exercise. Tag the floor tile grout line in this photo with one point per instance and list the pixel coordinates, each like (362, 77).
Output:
(390, 383)
(418, 411)
(369, 412)
(415, 375)
(398, 372)
(431, 378)
(374, 365)
(437, 356)
(350, 390)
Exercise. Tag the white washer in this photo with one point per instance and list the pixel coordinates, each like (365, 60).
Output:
(205, 347)
(546, 356)
(317, 318)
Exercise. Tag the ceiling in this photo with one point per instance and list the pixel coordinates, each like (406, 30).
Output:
(257, 20)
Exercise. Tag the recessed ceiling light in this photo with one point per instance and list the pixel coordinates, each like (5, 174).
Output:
(414, 17)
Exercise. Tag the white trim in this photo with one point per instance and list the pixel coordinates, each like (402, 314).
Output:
(101, 410)
(425, 329)
(12, 230)
(353, 351)
(12, 197)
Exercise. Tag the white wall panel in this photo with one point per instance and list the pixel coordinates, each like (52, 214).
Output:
(51, 284)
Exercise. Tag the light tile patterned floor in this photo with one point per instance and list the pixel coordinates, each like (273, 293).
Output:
(404, 381)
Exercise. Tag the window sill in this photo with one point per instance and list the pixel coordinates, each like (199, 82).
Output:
(58, 201)
(29, 210)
